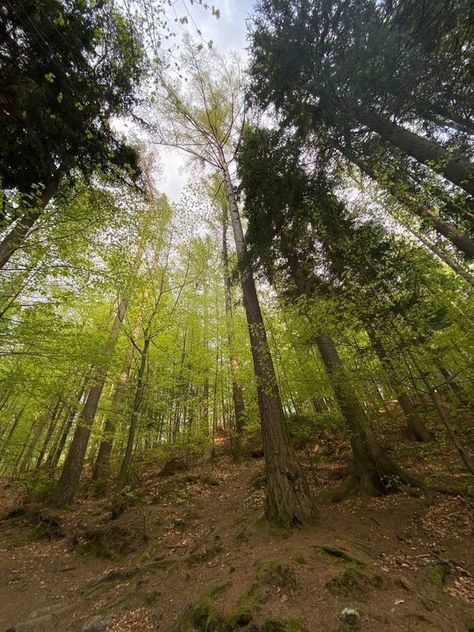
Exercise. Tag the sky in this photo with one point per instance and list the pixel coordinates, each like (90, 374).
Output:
(228, 33)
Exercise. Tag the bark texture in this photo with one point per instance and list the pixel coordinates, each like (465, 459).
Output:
(454, 168)
(288, 501)
(101, 464)
(373, 472)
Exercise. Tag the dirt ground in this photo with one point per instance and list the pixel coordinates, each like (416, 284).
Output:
(191, 551)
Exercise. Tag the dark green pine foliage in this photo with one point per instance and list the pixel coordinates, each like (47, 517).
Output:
(390, 79)
(66, 67)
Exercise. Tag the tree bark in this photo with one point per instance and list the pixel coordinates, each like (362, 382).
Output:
(287, 501)
(237, 390)
(455, 168)
(15, 238)
(122, 477)
(101, 465)
(373, 472)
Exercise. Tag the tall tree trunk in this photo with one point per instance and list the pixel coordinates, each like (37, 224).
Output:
(74, 463)
(101, 465)
(373, 472)
(122, 477)
(49, 433)
(416, 426)
(453, 167)
(57, 450)
(451, 431)
(237, 390)
(38, 426)
(288, 501)
(458, 391)
(11, 431)
(445, 258)
(461, 241)
(15, 238)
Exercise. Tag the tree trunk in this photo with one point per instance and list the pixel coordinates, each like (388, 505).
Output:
(445, 258)
(373, 472)
(288, 501)
(49, 433)
(57, 450)
(15, 238)
(101, 465)
(11, 431)
(416, 426)
(452, 434)
(74, 463)
(461, 241)
(455, 168)
(122, 477)
(237, 390)
(38, 426)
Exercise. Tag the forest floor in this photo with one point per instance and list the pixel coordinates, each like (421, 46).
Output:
(190, 551)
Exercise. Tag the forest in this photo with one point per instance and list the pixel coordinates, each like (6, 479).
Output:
(236, 315)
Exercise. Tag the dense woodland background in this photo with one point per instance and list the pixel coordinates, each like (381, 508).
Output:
(133, 328)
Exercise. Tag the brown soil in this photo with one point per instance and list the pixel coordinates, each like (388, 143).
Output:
(198, 538)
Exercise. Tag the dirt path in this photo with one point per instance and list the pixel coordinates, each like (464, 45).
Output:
(192, 551)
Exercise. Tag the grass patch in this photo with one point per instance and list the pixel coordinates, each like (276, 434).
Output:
(352, 583)
(437, 573)
(277, 575)
(338, 555)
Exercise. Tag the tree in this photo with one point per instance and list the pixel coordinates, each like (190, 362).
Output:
(74, 463)
(67, 68)
(205, 123)
(327, 67)
(300, 233)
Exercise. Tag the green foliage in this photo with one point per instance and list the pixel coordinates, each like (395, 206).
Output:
(69, 67)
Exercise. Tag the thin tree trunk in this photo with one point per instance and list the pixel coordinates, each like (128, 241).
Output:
(373, 471)
(461, 241)
(122, 477)
(416, 426)
(463, 455)
(15, 238)
(237, 390)
(14, 426)
(101, 465)
(288, 500)
(73, 465)
(38, 427)
(49, 433)
(57, 450)
(445, 258)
